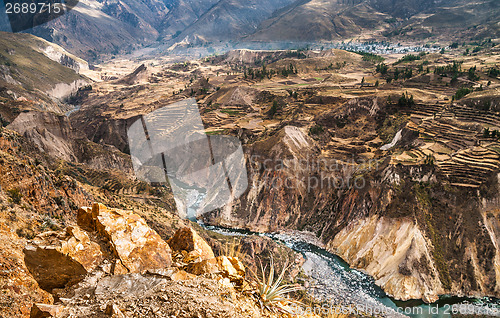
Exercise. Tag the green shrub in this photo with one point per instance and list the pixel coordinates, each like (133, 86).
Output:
(409, 58)
(316, 130)
(406, 101)
(462, 92)
(272, 294)
(15, 195)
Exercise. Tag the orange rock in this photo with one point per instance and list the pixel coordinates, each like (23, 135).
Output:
(219, 265)
(43, 311)
(58, 259)
(186, 239)
(113, 311)
(118, 268)
(182, 275)
(84, 219)
(137, 245)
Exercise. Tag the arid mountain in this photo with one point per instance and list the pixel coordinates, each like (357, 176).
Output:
(382, 19)
(314, 20)
(232, 19)
(114, 27)
(182, 14)
(36, 74)
(111, 27)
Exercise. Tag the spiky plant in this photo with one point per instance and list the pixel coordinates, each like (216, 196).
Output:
(271, 293)
(233, 249)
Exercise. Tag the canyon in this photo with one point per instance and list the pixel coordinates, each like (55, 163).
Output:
(389, 161)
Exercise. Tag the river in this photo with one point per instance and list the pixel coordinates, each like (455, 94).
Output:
(332, 280)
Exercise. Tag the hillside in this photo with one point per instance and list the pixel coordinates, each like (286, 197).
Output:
(96, 30)
(411, 132)
(93, 28)
(36, 73)
(383, 20)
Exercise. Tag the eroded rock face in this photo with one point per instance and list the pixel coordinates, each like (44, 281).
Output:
(19, 290)
(53, 134)
(138, 247)
(186, 239)
(58, 259)
(429, 236)
(395, 253)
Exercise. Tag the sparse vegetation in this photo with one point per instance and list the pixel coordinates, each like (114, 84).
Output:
(15, 195)
(382, 68)
(409, 58)
(370, 57)
(451, 69)
(316, 130)
(274, 109)
(493, 72)
(272, 294)
(461, 92)
(471, 74)
(406, 101)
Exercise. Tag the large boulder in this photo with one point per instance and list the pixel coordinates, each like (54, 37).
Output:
(58, 259)
(137, 246)
(228, 267)
(186, 239)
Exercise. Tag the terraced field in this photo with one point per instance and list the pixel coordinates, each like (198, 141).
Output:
(471, 167)
(452, 137)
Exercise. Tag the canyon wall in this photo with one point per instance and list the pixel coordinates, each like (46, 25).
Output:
(416, 232)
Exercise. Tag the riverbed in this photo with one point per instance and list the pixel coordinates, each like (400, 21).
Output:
(352, 291)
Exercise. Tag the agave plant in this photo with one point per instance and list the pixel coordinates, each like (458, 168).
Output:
(271, 293)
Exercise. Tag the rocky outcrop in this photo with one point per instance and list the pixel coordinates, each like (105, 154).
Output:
(58, 259)
(228, 267)
(186, 239)
(148, 286)
(45, 311)
(19, 290)
(395, 252)
(133, 242)
(120, 238)
(53, 134)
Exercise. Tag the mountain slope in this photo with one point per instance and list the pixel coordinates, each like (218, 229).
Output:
(94, 27)
(36, 71)
(320, 20)
(329, 20)
(182, 14)
(112, 27)
(231, 19)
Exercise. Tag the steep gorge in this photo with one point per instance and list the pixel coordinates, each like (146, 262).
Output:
(418, 235)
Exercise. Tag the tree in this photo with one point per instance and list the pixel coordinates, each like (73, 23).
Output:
(486, 132)
(377, 83)
(406, 101)
(363, 81)
(274, 109)
(471, 74)
(382, 68)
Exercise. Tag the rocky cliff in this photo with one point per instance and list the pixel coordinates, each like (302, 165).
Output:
(414, 227)
(397, 179)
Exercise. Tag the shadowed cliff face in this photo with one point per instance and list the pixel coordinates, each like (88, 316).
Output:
(418, 235)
